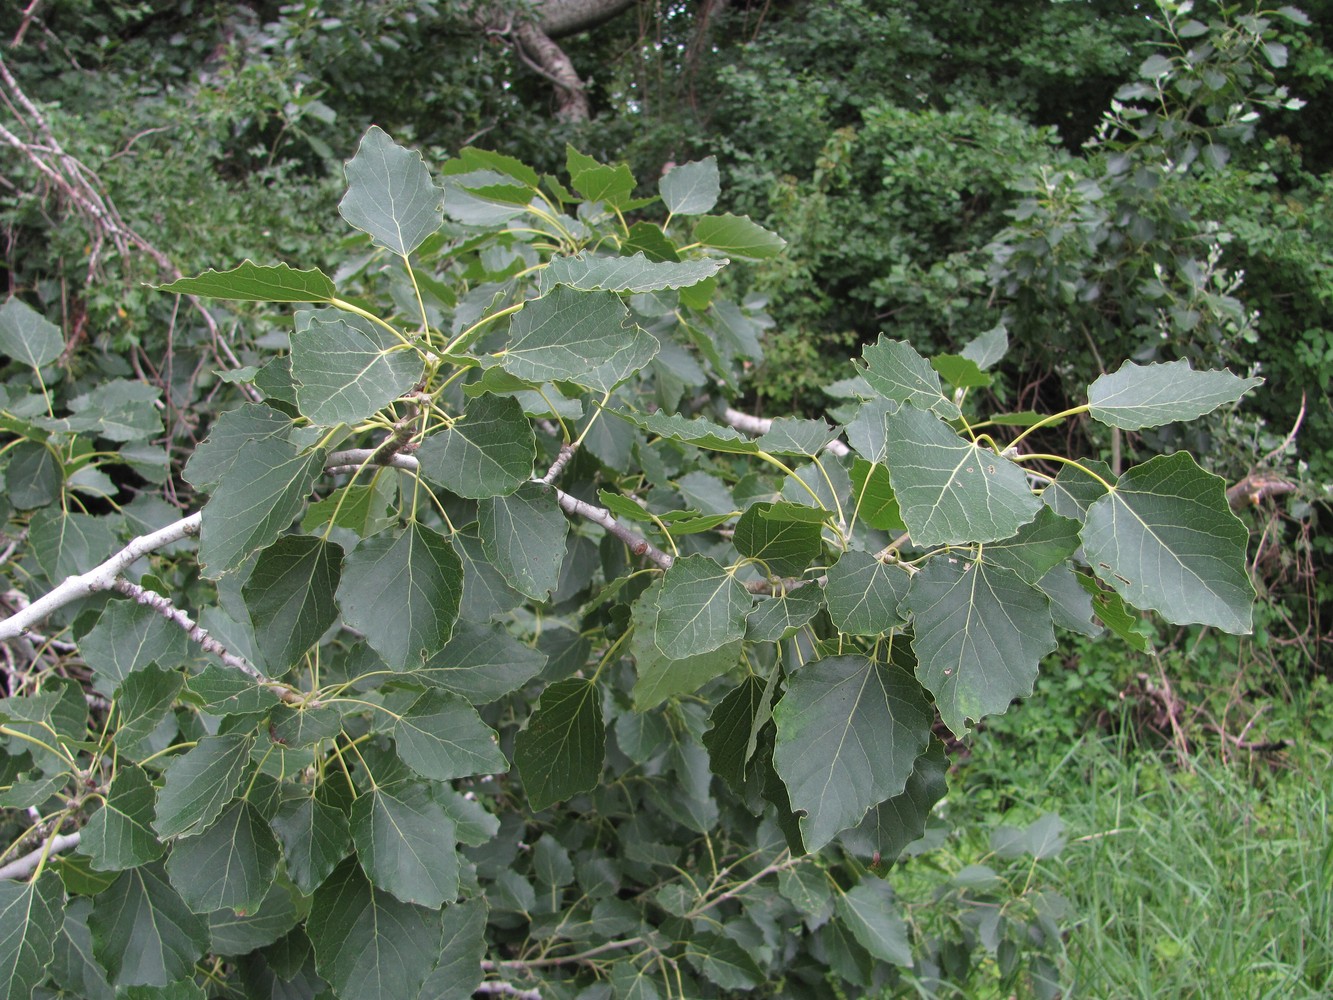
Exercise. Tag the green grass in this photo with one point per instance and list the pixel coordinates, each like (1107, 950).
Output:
(1195, 878)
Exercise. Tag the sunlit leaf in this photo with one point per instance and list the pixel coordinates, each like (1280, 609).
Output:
(738, 236)
(979, 633)
(1166, 539)
(251, 282)
(1138, 396)
(627, 274)
(897, 372)
(390, 195)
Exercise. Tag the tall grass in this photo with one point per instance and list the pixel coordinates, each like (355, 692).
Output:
(1185, 878)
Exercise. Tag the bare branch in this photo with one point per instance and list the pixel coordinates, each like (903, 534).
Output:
(26, 865)
(761, 425)
(497, 988)
(101, 577)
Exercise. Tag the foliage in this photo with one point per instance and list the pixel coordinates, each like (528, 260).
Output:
(501, 652)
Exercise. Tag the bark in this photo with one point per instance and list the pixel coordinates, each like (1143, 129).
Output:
(534, 41)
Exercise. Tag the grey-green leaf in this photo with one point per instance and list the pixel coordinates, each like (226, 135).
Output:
(482, 663)
(784, 546)
(368, 945)
(702, 607)
(251, 282)
(402, 592)
(30, 917)
(390, 195)
(896, 822)
(627, 274)
(738, 236)
(255, 501)
(200, 782)
(691, 188)
(462, 947)
(230, 865)
(315, 837)
(870, 912)
(849, 733)
(143, 933)
(120, 834)
(979, 635)
(951, 491)
(1040, 546)
(486, 453)
(1166, 539)
(1138, 396)
(290, 597)
(897, 372)
(441, 737)
(406, 844)
(582, 337)
(128, 637)
(523, 535)
(561, 751)
(28, 336)
(780, 616)
(863, 593)
(346, 370)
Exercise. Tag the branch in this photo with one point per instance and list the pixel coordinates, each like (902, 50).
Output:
(26, 865)
(354, 459)
(198, 634)
(495, 988)
(761, 425)
(98, 578)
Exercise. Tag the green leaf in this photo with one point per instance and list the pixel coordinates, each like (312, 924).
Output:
(261, 494)
(368, 945)
(1139, 396)
(486, 453)
(119, 410)
(895, 371)
(251, 282)
(863, 594)
(647, 238)
(463, 945)
(979, 634)
(952, 492)
(120, 834)
(314, 836)
(441, 737)
(200, 782)
(406, 844)
(661, 676)
(290, 597)
(896, 822)
(780, 616)
(1071, 605)
(738, 236)
(1038, 548)
(724, 962)
(143, 933)
(523, 535)
(230, 865)
(1074, 490)
(362, 508)
(691, 188)
(582, 337)
(27, 336)
(402, 592)
(588, 273)
(346, 369)
(74, 969)
(1166, 539)
(232, 433)
(223, 691)
(960, 372)
(598, 182)
(699, 431)
(482, 663)
(1114, 613)
(234, 934)
(473, 158)
(732, 731)
(560, 752)
(870, 912)
(876, 503)
(849, 733)
(30, 917)
(143, 700)
(784, 546)
(128, 637)
(702, 606)
(390, 195)
(794, 436)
